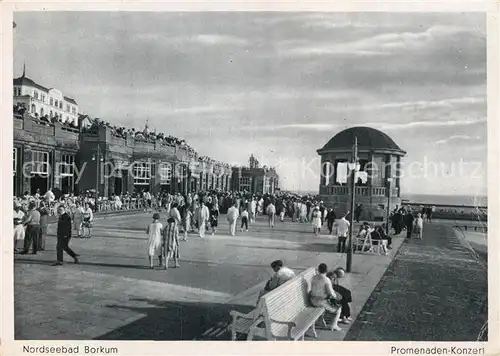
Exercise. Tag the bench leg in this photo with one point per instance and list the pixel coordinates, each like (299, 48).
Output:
(323, 320)
(313, 329)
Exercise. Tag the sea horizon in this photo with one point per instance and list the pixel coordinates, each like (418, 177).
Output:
(434, 199)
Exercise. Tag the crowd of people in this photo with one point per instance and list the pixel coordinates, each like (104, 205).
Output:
(20, 109)
(177, 215)
(141, 135)
(406, 219)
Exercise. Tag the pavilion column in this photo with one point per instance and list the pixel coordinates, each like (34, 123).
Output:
(25, 171)
(398, 179)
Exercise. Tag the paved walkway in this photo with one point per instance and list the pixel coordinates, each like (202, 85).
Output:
(112, 294)
(434, 290)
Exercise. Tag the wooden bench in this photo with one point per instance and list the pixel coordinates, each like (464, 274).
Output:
(242, 323)
(367, 244)
(285, 313)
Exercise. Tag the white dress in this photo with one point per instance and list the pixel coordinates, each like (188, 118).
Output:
(316, 220)
(19, 229)
(155, 239)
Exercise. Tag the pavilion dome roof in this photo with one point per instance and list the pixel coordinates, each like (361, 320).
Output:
(368, 138)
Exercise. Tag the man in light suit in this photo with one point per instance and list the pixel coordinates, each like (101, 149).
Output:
(203, 219)
(232, 217)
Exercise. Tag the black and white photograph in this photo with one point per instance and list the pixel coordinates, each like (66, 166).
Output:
(249, 176)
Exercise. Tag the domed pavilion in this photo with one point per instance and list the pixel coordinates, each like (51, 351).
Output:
(378, 159)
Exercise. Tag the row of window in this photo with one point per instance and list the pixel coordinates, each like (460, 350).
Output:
(209, 183)
(53, 102)
(40, 163)
(51, 113)
(142, 171)
(245, 183)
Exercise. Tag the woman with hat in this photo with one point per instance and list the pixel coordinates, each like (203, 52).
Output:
(154, 231)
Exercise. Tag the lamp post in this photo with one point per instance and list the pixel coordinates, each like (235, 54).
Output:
(389, 181)
(97, 158)
(354, 167)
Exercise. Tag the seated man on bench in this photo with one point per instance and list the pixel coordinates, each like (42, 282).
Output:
(345, 314)
(281, 275)
(378, 236)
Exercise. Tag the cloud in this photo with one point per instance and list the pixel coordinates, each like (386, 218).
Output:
(200, 39)
(213, 40)
(200, 110)
(426, 104)
(427, 124)
(379, 45)
(416, 105)
(458, 138)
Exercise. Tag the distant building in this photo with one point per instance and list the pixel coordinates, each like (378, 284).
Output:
(255, 179)
(119, 163)
(378, 158)
(41, 101)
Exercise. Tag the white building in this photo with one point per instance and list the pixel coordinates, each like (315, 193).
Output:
(41, 101)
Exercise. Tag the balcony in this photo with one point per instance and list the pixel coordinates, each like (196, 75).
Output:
(36, 131)
(138, 147)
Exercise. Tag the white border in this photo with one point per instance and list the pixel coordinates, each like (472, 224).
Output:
(8, 347)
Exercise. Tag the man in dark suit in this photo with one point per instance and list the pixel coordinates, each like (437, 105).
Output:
(63, 236)
(330, 218)
(408, 220)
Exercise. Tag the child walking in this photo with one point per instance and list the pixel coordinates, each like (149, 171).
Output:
(244, 219)
(214, 218)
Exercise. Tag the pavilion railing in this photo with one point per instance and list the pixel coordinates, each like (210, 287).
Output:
(360, 190)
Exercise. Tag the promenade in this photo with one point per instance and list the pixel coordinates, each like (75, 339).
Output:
(112, 293)
(434, 290)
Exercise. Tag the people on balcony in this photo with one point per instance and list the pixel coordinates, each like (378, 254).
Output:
(144, 135)
(20, 109)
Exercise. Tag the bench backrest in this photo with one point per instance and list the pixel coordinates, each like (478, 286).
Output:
(285, 302)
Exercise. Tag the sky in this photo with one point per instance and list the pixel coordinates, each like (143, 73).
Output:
(278, 85)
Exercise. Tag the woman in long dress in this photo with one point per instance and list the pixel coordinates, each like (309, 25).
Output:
(19, 231)
(171, 236)
(316, 221)
(154, 231)
(78, 218)
(44, 217)
(188, 215)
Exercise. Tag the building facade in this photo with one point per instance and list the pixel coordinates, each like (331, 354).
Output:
(41, 101)
(377, 182)
(116, 164)
(255, 180)
(43, 155)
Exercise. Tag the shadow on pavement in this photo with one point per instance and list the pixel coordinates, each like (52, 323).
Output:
(311, 247)
(128, 228)
(48, 263)
(176, 321)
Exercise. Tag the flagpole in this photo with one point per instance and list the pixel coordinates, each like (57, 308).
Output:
(353, 198)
